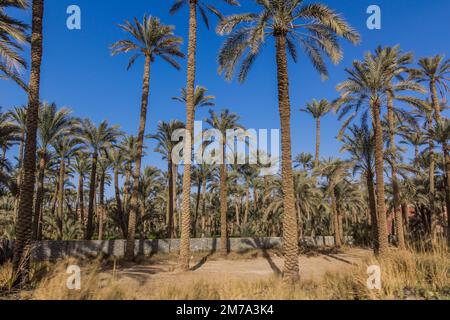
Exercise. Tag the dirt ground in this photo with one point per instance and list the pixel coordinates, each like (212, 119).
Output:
(247, 267)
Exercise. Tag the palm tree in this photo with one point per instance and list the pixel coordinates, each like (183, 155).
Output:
(82, 168)
(200, 97)
(318, 109)
(117, 157)
(194, 5)
(13, 35)
(65, 148)
(441, 134)
(25, 214)
(166, 146)
(97, 140)
(9, 134)
(398, 64)
(104, 166)
(151, 39)
(52, 125)
(128, 145)
(360, 144)
(434, 71)
(316, 28)
(223, 122)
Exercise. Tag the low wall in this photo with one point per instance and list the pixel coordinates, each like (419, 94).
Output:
(53, 250)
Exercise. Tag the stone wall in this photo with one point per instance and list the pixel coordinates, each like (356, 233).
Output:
(53, 250)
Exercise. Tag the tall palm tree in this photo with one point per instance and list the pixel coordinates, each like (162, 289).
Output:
(318, 109)
(25, 214)
(203, 7)
(166, 146)
(96, 140)
(52, 125)
(151, 39)
(397, 62)
(315, 27)
(223, 122)
(13, 35)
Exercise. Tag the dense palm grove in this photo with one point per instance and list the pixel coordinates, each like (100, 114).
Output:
(69, 178)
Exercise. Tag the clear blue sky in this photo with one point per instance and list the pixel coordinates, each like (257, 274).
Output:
(78, 71)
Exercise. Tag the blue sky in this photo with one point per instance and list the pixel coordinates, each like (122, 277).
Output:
(78, 71)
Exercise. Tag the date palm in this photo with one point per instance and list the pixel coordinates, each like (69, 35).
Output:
(223, 122)
(81, 166)
(117, 157)
(151, 39)
(52, 125)
(318, 109)
(359, 142)
(13, 35)
(96, 140)
(165, 147)
(194, 6)
(25, 214)
(65, 149)
(316, 28)
(201, 99)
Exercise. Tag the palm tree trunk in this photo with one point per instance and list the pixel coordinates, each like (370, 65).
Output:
(431, 173)
(81, 198)
(20, 174)
(223, 203)
(435, 101)
(379, 168)
(62, 174)
(126, 186)
(316, 161)
(170, 200)
(247, 202)
(101, 213)
(183, 262)
(129, 253)
(290, 235)
(37, 219)
(22, 244)
(395, 186)
(373, 211)
(92, 187)
(117, 191)
(197, 205)
(335, 219)
(445, 151)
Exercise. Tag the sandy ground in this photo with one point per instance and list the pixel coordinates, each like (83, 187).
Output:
(259, 265)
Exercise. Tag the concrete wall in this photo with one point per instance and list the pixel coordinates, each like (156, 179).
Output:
(53, 250)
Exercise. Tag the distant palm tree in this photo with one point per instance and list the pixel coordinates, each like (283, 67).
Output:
(318, 109)
(223, 122)
(151, 39)
(25, 214)
(82, 168)
(200, 97)
(96, 140)
(441, 134)
(13, 35)
(360, 144)
(315, 27)
(65, 148)
(53, 124)
(203, 7)
(118, 159)
(166, 146)
(104, 166)
(435, 72)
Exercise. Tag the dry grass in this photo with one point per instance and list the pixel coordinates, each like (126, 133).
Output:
(405, 275)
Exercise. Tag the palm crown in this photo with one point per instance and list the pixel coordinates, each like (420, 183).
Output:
(150, 39)
(314, 27)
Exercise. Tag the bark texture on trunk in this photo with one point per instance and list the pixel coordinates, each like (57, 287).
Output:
(91, 204)
(37, 218)
(22, 245)
(317, 159)
(395, 187)
(183, 262)
(290, 235)
(101, 211)
(379, 168)
(62, 175)
(129, 252)
(170, 202)
(223, 203)
(373, 211)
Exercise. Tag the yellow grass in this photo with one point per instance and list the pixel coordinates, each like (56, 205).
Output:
(405, 275)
